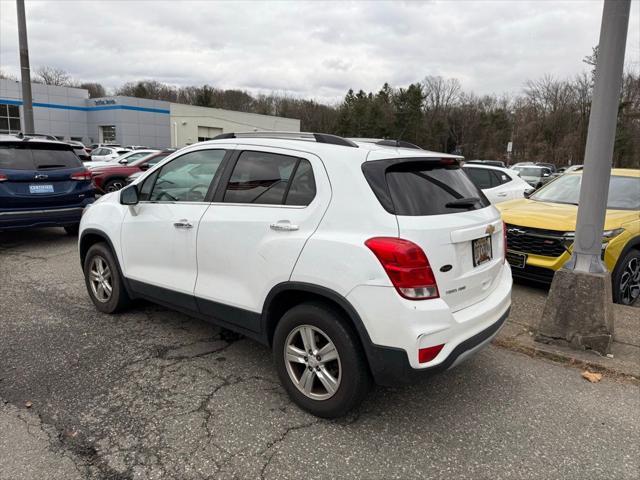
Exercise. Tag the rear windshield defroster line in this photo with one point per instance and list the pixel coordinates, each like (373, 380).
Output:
(418, 187)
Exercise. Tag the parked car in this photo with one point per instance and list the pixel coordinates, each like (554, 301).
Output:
(493, 163)
(111, 178)
(81, 151)
(498, 184)
(569, 169)
(42, 184)
(534, 175)
(550, 166)
(102, 154)
(93, 146)
(137, 147)
(123, 159)
(351, 260)
(541, 229)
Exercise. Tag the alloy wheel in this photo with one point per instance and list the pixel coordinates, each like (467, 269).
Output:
(100, 279)
(312, 362)
(630, 282)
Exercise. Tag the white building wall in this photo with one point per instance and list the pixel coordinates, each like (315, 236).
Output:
(58, 111)
(185, 120)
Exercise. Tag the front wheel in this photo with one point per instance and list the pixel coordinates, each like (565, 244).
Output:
(103, 280)
(626, 279)
(320, 361)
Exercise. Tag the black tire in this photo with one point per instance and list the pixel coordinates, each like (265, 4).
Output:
(622, 273)
(118, 299)
(72, 230)
(114, 185)
(355, 380)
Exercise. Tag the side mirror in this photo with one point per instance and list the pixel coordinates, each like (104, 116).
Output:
(545, 174)
(124, 161)
(527, 193)
(144, 166)
(129, 195)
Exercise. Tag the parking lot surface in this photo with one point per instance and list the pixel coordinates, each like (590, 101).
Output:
(153, 394)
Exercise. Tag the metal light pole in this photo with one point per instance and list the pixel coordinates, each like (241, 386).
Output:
(579, 309)
(25, 71)
(600, 138)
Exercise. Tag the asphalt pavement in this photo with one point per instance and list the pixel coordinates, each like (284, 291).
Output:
(153, 394)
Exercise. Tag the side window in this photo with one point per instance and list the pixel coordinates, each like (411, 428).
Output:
(303, 186)
(261, 178)
(499, 178)
(187, 178)
(481, 177)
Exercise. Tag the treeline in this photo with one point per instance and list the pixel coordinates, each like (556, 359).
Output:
(547, 121)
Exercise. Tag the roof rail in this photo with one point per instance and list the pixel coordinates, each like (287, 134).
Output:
(386, 142)
(304, 136)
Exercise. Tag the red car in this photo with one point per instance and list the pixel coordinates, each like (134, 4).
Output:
(112, 178)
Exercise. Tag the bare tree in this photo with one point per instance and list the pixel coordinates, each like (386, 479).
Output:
(52, 76)
(6, 76)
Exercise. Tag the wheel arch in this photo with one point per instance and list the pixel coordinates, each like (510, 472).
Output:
(286, 295)
(90, 237)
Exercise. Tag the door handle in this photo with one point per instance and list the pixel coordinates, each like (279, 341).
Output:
(501, 194)
(284, 226)
(183, 224)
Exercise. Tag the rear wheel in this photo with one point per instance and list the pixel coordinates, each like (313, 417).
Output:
(320, 361)
(72, 229)
(114, 185)
(103, 280)
(626, 279)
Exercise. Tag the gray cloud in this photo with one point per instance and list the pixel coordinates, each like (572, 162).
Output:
(312, 49)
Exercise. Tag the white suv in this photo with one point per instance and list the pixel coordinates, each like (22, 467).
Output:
(352, 260)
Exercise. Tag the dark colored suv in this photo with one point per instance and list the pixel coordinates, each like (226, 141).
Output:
(42, 184)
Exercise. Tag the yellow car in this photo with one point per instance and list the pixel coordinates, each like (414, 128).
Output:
(540, 231)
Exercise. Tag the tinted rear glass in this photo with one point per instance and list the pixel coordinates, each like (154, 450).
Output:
(33, 156)
(418, 188)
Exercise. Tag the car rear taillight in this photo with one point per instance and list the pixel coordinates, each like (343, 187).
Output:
(3, 177)
(504, 242)
(407, 267)
(83, 175)
(427, 354)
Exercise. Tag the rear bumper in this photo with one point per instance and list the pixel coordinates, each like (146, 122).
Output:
(42, 217)
(398, 328)
(390, 366)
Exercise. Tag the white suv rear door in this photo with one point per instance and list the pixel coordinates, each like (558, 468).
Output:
(159, 234)
(270, 202)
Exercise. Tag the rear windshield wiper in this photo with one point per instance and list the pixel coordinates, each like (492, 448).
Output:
(468, 202)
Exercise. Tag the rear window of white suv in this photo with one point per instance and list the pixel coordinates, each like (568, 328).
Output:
(423, 187)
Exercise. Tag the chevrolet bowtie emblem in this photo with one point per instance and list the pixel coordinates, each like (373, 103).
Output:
(490, 229)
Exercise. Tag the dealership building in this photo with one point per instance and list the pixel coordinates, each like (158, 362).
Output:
(69, 114)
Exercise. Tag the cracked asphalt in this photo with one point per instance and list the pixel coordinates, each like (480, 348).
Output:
(153, 394)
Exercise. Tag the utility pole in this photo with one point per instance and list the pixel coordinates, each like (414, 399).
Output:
(579, 308)
(25, 71)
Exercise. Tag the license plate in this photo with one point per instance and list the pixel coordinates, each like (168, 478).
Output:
(41, 188)
(516, 259)
(481, 250)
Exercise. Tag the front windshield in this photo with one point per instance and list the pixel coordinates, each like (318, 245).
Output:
(624, 192)
(529, 171)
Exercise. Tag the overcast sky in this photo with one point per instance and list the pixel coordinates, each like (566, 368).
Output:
(311, 49)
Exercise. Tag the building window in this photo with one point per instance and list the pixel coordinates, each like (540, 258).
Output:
(107, 133)
(9, 118)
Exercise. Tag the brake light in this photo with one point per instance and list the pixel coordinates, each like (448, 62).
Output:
(3, 177)
(83, 175)
(427, 354)
(504, 242)
(407, 267)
